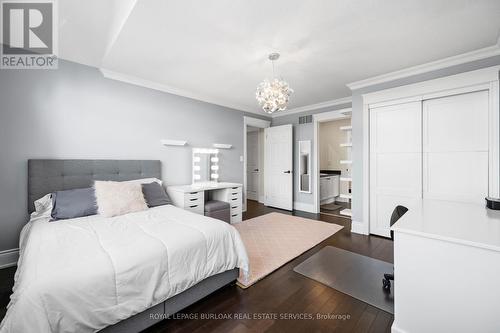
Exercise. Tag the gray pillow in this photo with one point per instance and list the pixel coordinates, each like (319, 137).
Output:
(155, 195)
(75, 203)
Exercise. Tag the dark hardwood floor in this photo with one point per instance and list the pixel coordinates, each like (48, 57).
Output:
(286, 293)
(278, 302)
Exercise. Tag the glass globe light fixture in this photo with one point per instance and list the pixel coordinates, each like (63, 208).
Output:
(273, 95)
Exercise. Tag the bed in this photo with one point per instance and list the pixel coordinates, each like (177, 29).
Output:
(119, 274)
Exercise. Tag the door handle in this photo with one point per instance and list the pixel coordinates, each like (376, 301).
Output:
(255, 170)
(288, 171)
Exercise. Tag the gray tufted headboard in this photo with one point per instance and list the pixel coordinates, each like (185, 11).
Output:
(47, 176)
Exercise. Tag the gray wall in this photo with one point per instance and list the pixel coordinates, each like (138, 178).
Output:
(74, 112)
(357, 121)
(303, 132)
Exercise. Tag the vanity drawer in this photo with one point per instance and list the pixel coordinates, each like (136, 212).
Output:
(236, 217)
(197, 208)
(192, 198)
(235, 208)
(234, 199)
(235, 190)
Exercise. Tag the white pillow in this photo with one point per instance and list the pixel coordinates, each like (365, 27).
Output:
(144, 181)
(43, 208)
(119, 198)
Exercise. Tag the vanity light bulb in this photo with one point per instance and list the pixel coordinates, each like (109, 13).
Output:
(197, 177)
(215, 167)
(196, 168)
(215, 176)
(214, 159)
(196, 159)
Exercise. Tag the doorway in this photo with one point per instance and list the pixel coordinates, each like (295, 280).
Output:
(253, 181)
(255, 164)
(333, 161)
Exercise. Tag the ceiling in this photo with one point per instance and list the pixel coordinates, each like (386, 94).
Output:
(216, 51)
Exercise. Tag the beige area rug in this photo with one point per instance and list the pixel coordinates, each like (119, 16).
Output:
(274, 239)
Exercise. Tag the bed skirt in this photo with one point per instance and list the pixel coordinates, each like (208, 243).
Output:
(157, 313)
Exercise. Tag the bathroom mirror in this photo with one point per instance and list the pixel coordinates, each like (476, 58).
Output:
(305, 166)
(205, 166)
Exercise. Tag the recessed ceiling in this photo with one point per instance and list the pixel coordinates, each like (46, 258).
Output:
(217, 50)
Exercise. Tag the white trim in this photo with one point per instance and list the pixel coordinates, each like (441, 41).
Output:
(481, 79)
(395, 329)
(254, 122)
(8, 258)
(174, 91)
(433, 88)
(358, 228)
(311, 107)
(319, 118)
(304, 207)
(483, 53)
(262, 198)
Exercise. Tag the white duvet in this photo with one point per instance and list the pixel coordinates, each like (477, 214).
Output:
(84, 274)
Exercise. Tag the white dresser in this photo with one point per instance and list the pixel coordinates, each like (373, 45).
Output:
(193, 198)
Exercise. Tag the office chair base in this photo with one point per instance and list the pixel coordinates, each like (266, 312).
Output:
(386, 281)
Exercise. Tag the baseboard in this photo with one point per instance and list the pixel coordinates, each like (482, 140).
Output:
(339, 199)
(304, 207)
(261, 199)
(8, 258)
(358, 228)
(395, 329)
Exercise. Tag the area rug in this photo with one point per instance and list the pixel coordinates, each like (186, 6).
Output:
(331, 206)
(351, 273)
(274, 239)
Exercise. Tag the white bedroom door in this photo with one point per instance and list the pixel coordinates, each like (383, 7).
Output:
(278, 163)
(253, 172)
(395, 162)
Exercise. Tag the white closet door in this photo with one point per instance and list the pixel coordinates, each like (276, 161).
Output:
(395, 162)
(455, 145)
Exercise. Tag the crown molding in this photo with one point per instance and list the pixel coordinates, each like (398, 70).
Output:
(483, 53)
(171, 90)
(313, 107)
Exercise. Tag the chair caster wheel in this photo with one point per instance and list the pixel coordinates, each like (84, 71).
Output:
(386, 284)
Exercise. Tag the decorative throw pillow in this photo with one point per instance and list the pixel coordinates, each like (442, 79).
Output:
(155, 195)
(70, 204)
(119, 198)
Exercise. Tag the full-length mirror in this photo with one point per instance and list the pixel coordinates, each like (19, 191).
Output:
(205, 166)
(305, 166)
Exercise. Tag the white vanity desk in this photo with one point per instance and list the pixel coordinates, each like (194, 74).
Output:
(447, 268)
(192, 197)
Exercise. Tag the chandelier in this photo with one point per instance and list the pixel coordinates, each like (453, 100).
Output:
(273, 95)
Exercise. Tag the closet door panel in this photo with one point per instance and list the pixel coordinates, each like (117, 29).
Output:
(398, 174)
(456, 123)
(456, 147)
(456, 176)
(395, 162)
(400, 129)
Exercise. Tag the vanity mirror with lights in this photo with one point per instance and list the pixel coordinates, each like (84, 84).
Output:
(205, 186)
(205, 166)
